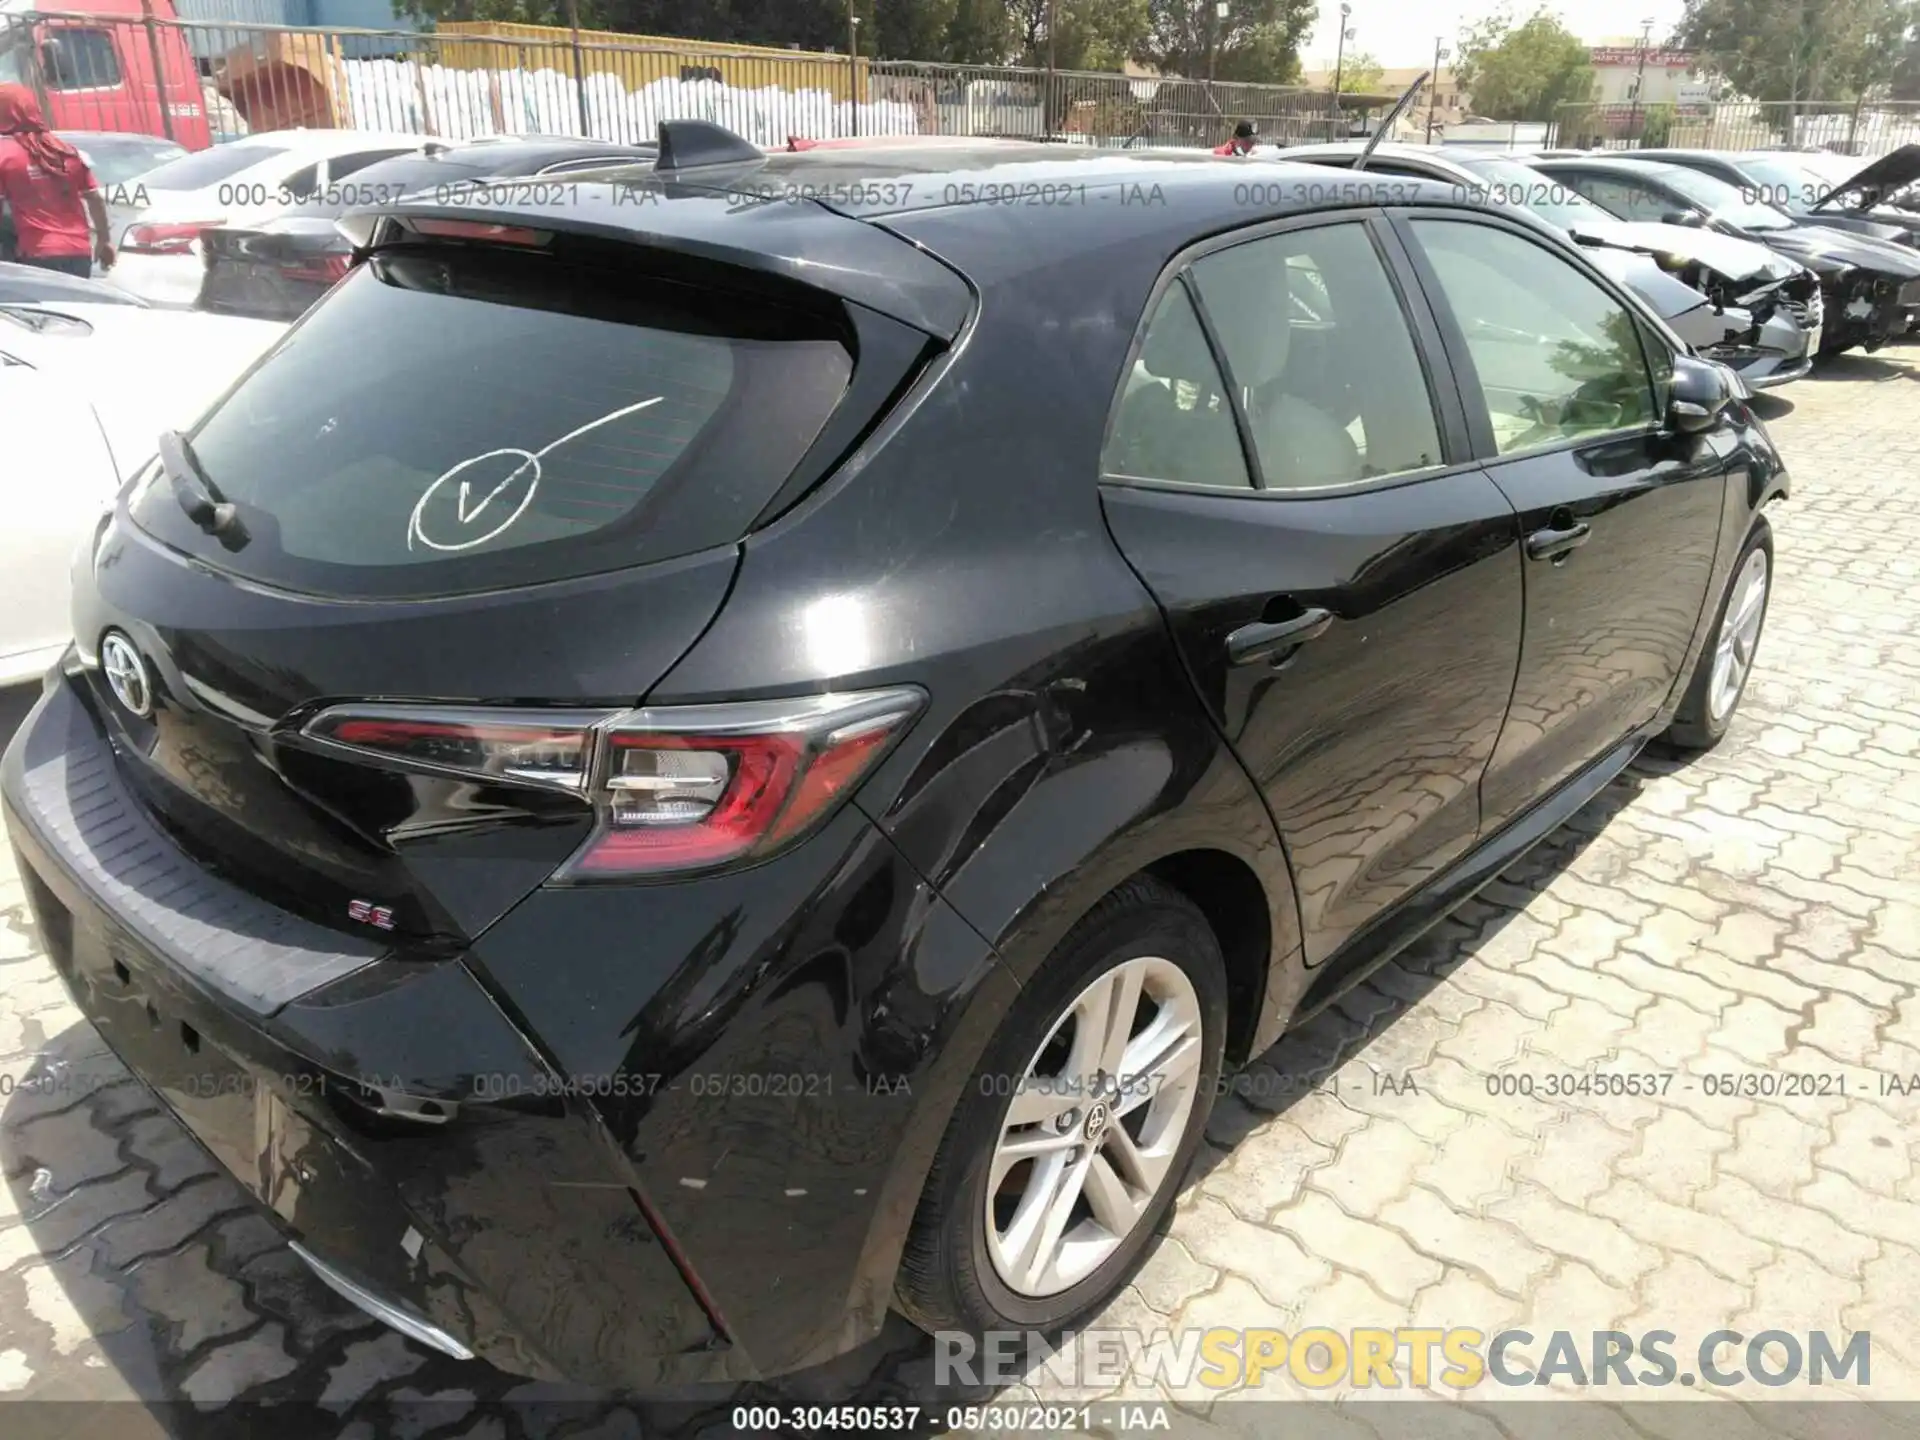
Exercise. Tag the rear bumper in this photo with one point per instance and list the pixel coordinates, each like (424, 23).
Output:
(360, 1112)
(739, 1084)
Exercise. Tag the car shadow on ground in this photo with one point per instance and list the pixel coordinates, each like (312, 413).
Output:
(144, 1272)
(1892, 364)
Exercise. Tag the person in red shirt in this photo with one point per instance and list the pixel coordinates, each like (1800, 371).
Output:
(1242, 141)
(50, 191)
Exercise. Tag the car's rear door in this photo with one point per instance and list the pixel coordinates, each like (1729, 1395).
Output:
(1288, 471)
(1565, 396)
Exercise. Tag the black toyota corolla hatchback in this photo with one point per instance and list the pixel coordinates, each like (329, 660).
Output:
(690, 760)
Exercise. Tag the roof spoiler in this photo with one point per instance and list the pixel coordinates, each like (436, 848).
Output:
(687, 144)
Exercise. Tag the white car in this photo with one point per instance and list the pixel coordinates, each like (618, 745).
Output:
(157, 217)
(88, 381)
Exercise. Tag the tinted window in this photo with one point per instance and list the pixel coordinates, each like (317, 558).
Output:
(114, 161)
(342, 166)
(1321, 356)
(1553, 200)
(208, 167)
(79, 60)
(1175, 421)
(1626, 200)
(1726, 202)
(1556, 355)
(460, 420)
(302, 182)
(378, 183)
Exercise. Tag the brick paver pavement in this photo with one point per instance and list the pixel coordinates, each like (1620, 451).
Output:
(1728, 923)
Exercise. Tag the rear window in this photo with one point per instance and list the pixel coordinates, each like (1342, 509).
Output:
(208, 167)
(379, 183)
(461, 419)
(115, 162)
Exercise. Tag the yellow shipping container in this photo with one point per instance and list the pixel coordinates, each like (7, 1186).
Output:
(641, 59)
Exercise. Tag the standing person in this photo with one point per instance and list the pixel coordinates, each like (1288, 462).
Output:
(50, 190)
(1242, 141)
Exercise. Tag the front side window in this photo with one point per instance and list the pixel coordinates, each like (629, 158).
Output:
(1176, 421)
(73, 59)
(1321, 357)
(1557, 357)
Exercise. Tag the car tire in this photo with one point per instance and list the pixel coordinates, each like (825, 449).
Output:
(954, 1275)
(1726, 661)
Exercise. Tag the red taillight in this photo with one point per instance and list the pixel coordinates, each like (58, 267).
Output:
(322, 271)
(481, 230)
(699, 786)
(533, 747)
(673, 788)
(170, 238)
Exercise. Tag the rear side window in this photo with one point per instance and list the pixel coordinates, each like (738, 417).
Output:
(457, 420)
(1326, 367)
(208, 167)
(1175, 421)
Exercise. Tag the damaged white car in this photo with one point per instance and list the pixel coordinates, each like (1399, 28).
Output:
(1755, 311)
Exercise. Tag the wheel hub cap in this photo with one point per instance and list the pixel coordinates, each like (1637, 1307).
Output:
(1739, 636)
(1091, 1130)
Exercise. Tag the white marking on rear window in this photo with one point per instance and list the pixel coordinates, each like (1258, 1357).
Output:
(466, 511)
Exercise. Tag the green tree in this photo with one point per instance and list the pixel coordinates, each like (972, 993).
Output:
(1093, 34)
(1800, 50)
(979, 33)
(1525, 71)
(1258, 41)
(1360, 73)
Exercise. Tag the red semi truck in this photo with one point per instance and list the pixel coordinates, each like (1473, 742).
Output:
(98, 65)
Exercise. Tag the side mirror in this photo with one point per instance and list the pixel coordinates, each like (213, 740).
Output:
(1699, 392)
(1680, 217)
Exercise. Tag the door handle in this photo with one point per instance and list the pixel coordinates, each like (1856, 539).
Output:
(1558, 544)
(1264, 639)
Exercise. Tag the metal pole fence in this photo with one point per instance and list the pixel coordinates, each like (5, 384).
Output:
(210, 81)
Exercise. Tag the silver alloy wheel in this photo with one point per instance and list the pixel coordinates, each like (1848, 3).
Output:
(1739, 635)
(1093, 1126)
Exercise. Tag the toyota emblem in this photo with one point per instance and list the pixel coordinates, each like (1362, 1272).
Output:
(127, 674)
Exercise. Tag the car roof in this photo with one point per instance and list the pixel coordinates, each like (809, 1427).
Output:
(798, 216)
(326, 142)
(870, 182)
(94, 137)
(504, 155)
(1610, 165)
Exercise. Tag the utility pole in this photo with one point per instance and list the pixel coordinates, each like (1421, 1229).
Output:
(1433, 91)
(853, 65)
(1339, 61)
(1639, 78)
(1046, 108)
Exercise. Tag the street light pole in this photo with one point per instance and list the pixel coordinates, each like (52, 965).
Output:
(1433, 91)
(1339, 61)
(1639, 77)
(853, 65)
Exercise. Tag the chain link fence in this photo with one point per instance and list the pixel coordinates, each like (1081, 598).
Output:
(1857, 127)
(200, 82)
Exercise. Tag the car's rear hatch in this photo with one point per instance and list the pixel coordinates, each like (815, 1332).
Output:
(497, 468)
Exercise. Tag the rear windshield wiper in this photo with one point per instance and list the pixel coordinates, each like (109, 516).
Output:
(198, 495)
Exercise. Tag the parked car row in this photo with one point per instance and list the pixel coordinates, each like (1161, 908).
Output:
(1764, 288)
(671, 777)
(1732, 300)
(277, 266)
